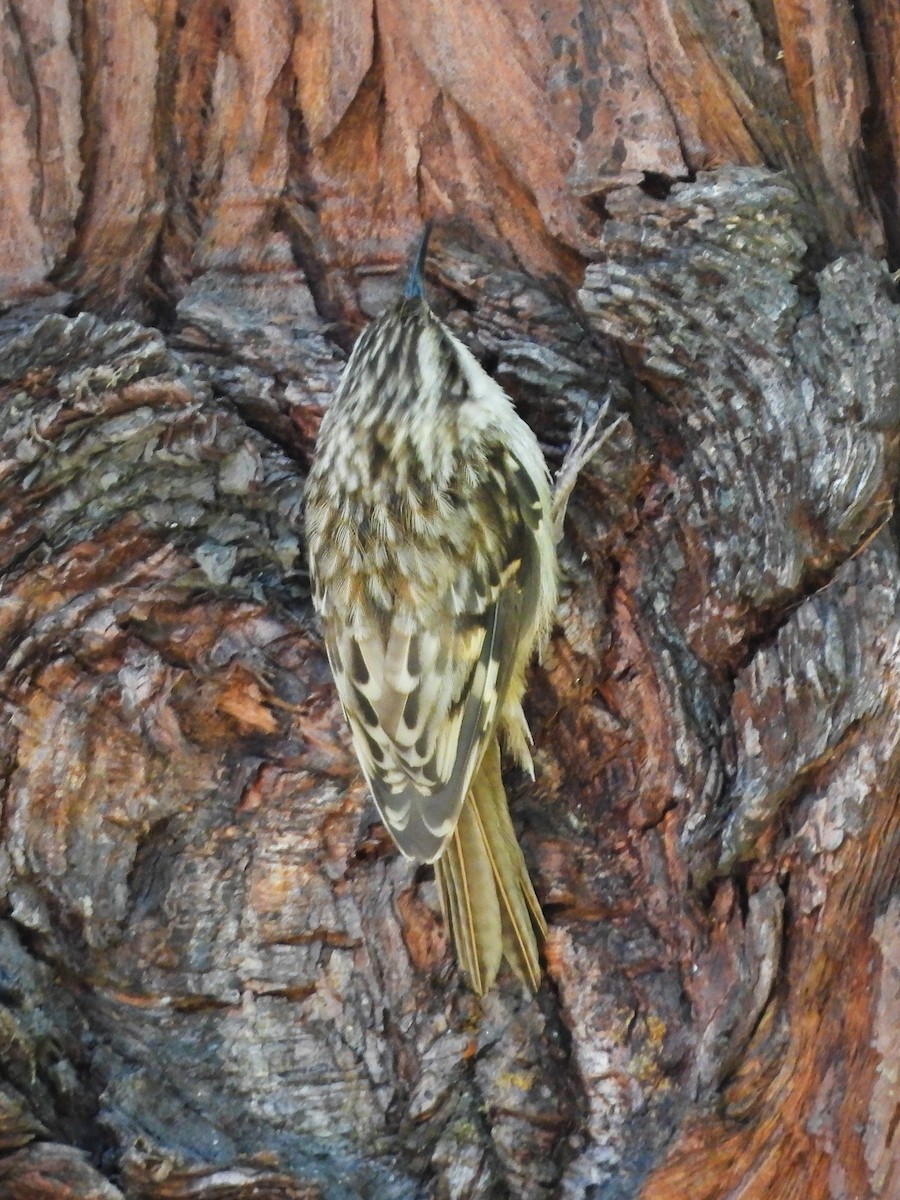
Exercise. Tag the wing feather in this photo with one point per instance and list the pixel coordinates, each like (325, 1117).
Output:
(423, 687)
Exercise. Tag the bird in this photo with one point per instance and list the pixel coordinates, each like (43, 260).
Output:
(430, 533)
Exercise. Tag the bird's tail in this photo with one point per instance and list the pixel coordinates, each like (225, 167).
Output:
(486, 894)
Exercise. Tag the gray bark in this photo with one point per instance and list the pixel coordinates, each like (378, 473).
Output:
(217, 977)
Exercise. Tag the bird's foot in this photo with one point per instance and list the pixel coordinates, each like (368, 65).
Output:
(584, 445)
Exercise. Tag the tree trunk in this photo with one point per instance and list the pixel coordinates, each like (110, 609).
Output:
(218, 979)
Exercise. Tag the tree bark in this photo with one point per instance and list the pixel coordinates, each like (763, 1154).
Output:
(217, 977)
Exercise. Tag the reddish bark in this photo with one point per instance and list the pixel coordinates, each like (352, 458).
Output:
(217, 979)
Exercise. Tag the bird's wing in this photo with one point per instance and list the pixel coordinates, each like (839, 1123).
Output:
(423, 685)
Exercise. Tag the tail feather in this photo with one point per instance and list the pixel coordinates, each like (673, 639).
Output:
(486, 893)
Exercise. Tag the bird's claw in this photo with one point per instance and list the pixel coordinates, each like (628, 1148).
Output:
(584, 445)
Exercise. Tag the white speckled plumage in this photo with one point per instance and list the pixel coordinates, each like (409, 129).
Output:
(432, 552)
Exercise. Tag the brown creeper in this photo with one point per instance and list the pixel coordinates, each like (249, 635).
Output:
(434, 573)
